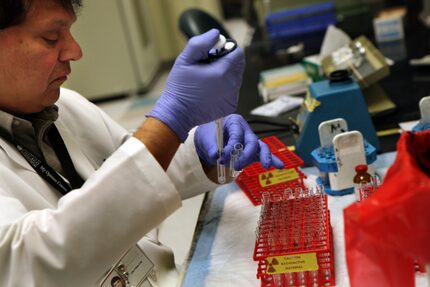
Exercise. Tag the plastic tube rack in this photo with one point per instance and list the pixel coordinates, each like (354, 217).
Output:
(294, 245)
(254, 179)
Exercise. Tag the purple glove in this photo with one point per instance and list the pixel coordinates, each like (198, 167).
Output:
(236, 130)
(197, 93)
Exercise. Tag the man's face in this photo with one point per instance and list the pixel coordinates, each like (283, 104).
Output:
(35, 58)
(118, 283)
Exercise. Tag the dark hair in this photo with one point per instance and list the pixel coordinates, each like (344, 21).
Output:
(13, 12)
(114, 279)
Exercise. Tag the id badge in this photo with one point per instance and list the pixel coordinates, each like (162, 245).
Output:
(131, 270)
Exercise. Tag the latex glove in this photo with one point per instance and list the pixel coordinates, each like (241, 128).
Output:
(197, 93)
(236, 130)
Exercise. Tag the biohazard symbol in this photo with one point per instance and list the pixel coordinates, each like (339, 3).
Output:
(270, 264)
(267, 178)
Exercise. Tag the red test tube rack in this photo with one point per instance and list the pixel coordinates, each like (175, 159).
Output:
(294, 245)
(254, 179)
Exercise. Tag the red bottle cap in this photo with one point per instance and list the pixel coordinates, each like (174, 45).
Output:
(361, 168)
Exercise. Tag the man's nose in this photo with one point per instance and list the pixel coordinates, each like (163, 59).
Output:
(71, 50)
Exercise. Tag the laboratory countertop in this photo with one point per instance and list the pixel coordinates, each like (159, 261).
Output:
(222, 252)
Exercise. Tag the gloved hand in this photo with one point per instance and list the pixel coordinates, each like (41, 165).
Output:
(197, 93)
(236, 130)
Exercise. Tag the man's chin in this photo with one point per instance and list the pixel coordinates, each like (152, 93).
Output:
(50, 98)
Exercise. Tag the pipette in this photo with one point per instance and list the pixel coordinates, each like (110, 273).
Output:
(219, 123)
(221, 48)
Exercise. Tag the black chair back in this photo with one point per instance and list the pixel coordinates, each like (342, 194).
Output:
(193, 22)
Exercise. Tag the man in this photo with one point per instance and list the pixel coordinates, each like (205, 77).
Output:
(117, 282)
(76, 190)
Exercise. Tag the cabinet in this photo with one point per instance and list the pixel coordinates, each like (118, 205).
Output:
(119, 52)
(125, 41)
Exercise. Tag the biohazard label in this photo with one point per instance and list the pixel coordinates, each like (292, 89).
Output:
(292, 263)
(277, 176)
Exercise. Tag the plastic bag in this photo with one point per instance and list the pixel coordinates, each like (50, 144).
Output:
(387, 232)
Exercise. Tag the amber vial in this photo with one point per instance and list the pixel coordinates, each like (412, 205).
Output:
(361, 177)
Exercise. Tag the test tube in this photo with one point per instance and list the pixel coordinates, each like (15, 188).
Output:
(277, 280)
(234, 155)
(314, 276)
(220, 144)
(301, 279)
(327, 274)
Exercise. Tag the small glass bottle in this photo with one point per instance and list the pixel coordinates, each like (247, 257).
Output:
(361, 179)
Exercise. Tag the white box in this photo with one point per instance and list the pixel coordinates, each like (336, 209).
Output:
(388, 25)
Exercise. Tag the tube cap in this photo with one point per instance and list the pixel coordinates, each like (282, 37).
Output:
(361, 168)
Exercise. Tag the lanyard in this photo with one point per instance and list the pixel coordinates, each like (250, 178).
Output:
(43, 169)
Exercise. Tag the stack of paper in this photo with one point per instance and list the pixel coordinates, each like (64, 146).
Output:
(277, 107)
(286, 80)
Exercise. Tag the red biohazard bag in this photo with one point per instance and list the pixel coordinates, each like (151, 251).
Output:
(387, 232)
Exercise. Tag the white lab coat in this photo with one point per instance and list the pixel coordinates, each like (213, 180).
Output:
(48, 240)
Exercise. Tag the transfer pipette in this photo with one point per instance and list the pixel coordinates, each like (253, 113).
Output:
(220, 145)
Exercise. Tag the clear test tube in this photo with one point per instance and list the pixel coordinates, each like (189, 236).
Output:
(324, 151)
(266, 198)
(327, 274)
(277, 280)
(298, 192)
(289, 279)
(314, 278)
(376, 181)
(320, 189)
(301, 279)
(220, 169)
(234, 155)
(220, 145)
(324, 177)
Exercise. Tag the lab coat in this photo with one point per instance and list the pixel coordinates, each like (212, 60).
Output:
(48, 240)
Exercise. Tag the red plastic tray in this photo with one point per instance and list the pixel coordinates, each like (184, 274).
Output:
(294, 227)
(251, 178)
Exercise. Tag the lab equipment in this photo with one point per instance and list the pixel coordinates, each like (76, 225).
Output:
(219, 123)
(339, 97)
(294, 245)
(362, 179)
(366, 189)
(327, 130)
(424, 123)
(234, 156)
(286, 80)
(339, 153)
(221, 48)
(254, 179)
(179, 97)
(388, 24)
(362, 58)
